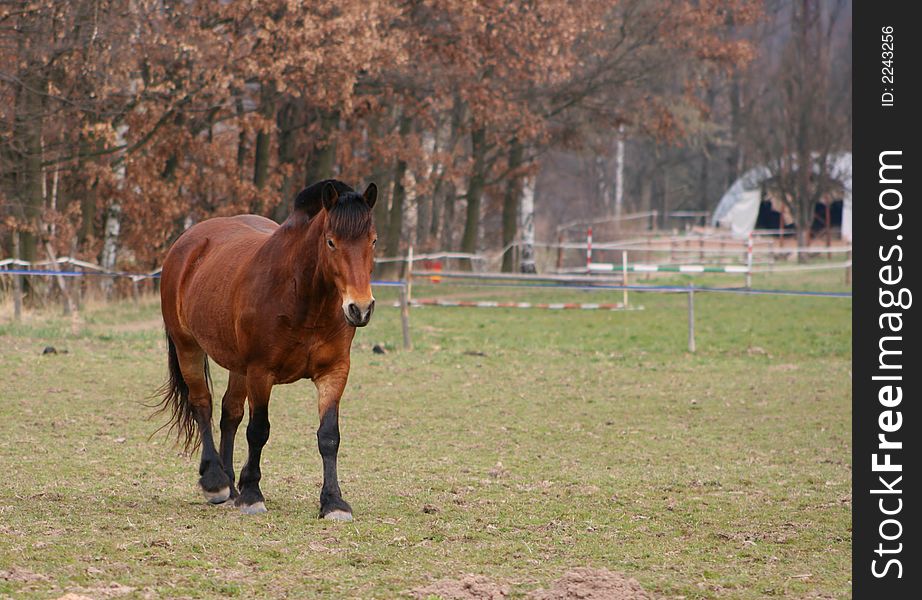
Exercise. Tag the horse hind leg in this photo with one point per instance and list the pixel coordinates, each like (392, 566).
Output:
(231, 415)
(213, 479)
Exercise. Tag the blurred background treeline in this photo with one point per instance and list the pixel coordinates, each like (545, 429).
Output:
(124, 122)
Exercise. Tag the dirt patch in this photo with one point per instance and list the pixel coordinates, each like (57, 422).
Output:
(20, 575)
(111, 590)
(468, 587)
(593, 584)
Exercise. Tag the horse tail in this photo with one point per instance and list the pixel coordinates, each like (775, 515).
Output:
(174, 398)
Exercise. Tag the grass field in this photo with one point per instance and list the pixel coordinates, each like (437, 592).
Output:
(516, 444)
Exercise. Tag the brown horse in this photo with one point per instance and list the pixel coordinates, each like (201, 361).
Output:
(271, 304)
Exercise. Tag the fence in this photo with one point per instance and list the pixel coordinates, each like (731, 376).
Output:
(591, 284)
(588, 253)
(588, 280)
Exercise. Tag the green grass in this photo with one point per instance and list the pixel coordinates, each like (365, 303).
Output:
(722, 474)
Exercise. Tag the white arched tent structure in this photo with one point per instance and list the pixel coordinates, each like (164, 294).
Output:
(738, 209)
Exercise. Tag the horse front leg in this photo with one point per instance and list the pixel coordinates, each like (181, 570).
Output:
(329, 391)
(251, 499)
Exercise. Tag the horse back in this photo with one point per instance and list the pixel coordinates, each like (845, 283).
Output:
(222, 243)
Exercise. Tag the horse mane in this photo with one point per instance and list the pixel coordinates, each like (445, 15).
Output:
(350, 218)
(309, 200)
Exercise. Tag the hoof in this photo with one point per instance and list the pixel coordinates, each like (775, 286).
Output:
(218, 497)
(253, 509)
(338, 515)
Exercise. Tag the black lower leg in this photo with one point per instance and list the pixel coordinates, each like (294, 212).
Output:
(257, 436)
(211, 471)
(229, 426)
(328, 442)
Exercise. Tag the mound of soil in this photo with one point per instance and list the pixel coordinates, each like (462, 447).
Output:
(593, 584)
(468, 587)
(20, 575)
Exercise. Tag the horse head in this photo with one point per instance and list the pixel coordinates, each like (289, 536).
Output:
(348, 247)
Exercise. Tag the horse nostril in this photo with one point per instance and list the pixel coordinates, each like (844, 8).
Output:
(371, 309)
(354, 313)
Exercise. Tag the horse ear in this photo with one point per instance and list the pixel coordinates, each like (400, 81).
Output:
(371, 195)
(329, 196)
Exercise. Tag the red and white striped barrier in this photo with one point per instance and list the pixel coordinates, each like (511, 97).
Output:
(638, 268)
(544, 305)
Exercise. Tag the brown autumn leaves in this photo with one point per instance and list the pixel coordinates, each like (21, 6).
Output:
(153, 114)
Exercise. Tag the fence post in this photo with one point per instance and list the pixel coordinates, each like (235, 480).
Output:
(624, 277)
(691, 317)
(749, 263)
(405, 318)
(409, 272)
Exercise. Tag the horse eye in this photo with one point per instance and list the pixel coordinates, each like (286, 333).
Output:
(374, 242)
(331, 244)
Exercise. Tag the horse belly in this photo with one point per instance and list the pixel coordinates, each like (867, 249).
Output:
(199, 286)
(211, 324)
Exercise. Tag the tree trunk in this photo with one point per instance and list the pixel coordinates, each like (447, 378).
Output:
(88, 197)
(735, 159)
(172, 162)
(475, 188)
(704, 177)
(113, 225)
(28, 125)
(803, 100)
(425, 205)
(17, 283)
(242, 144)
(438, 204)
(619, 174)
(395, 217)
(287, 121)
(382, 177)
(448, 218)
(511, 206)
(321, 161)
(443, 197)
(528, 225)
(263, 139)
(110, 242)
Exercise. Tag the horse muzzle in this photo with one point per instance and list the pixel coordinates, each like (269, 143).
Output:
(358, 314)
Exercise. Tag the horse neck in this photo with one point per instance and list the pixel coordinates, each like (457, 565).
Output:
(301, 242)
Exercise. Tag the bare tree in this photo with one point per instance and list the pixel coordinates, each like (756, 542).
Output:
(799, 117)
